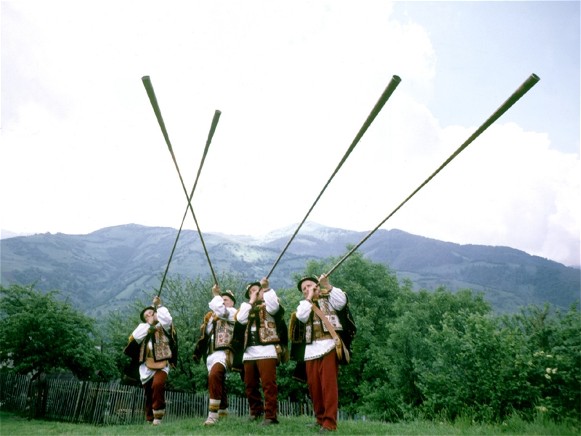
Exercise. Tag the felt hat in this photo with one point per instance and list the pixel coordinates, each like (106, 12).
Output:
(230, 294)
(247, 295)
(141, 315)
(304, 279)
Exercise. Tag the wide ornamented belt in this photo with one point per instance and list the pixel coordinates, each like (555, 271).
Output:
(253, 338)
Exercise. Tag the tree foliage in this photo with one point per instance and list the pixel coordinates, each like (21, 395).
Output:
(416, 354)
(553, 358)
(39, 334)
(446, 355)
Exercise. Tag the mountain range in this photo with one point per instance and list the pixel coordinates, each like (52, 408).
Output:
(111, 267)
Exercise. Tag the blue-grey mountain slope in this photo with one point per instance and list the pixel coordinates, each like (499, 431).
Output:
(112, 267)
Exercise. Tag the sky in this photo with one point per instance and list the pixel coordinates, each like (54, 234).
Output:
(294, 81)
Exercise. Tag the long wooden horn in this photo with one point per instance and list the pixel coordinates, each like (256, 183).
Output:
(374, 112)
(522, 90)
(152, 98)
(217, 114)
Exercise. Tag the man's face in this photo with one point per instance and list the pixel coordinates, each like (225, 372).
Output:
(258, 290)
(150, 316)
(309, 285)
(227, 301)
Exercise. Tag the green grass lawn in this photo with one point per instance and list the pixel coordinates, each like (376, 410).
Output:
(11, 424)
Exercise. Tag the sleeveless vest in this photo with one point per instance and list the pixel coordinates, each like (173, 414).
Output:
(221, 335)
(266, 332)
(220, 338)
(161, 346)
(315, 328)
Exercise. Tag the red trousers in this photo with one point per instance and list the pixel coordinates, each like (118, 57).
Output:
(322, 376)
(257, 372)
(155, 394)
(217, 384)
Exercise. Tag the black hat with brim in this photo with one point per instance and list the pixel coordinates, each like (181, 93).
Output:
(304, 279)
(247, 294)
(144, 310)
(229, 293)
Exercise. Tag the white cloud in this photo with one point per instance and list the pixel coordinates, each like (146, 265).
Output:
(507, 188)
(82, 149)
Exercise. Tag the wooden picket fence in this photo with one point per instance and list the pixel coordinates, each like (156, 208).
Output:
(110, 403)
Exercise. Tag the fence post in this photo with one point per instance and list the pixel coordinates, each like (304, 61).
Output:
(78, 403)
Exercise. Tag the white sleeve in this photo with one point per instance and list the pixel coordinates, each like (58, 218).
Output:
(140, 332)
(271, 301)
(337, 298)
(304, 310)
(164, 318)
(243, 312)
(217, 306)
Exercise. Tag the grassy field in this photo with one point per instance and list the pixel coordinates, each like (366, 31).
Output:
(11, 424)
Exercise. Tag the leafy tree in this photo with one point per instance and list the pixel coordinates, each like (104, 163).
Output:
(113, 333)
(391, 387)
(470, 369)
(418, 315)
(489, 367)
(39, 334)
(553, 361)
(564, 392)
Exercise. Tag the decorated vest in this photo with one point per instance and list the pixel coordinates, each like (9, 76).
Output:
(266, 331)
(315, 328)
(220, 338)
(138, 353)
(223, 333)
(161, 346)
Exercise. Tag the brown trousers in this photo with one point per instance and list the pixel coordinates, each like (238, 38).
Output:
(257, 372)
(217, 384)
(155, 394)
(322, 376)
